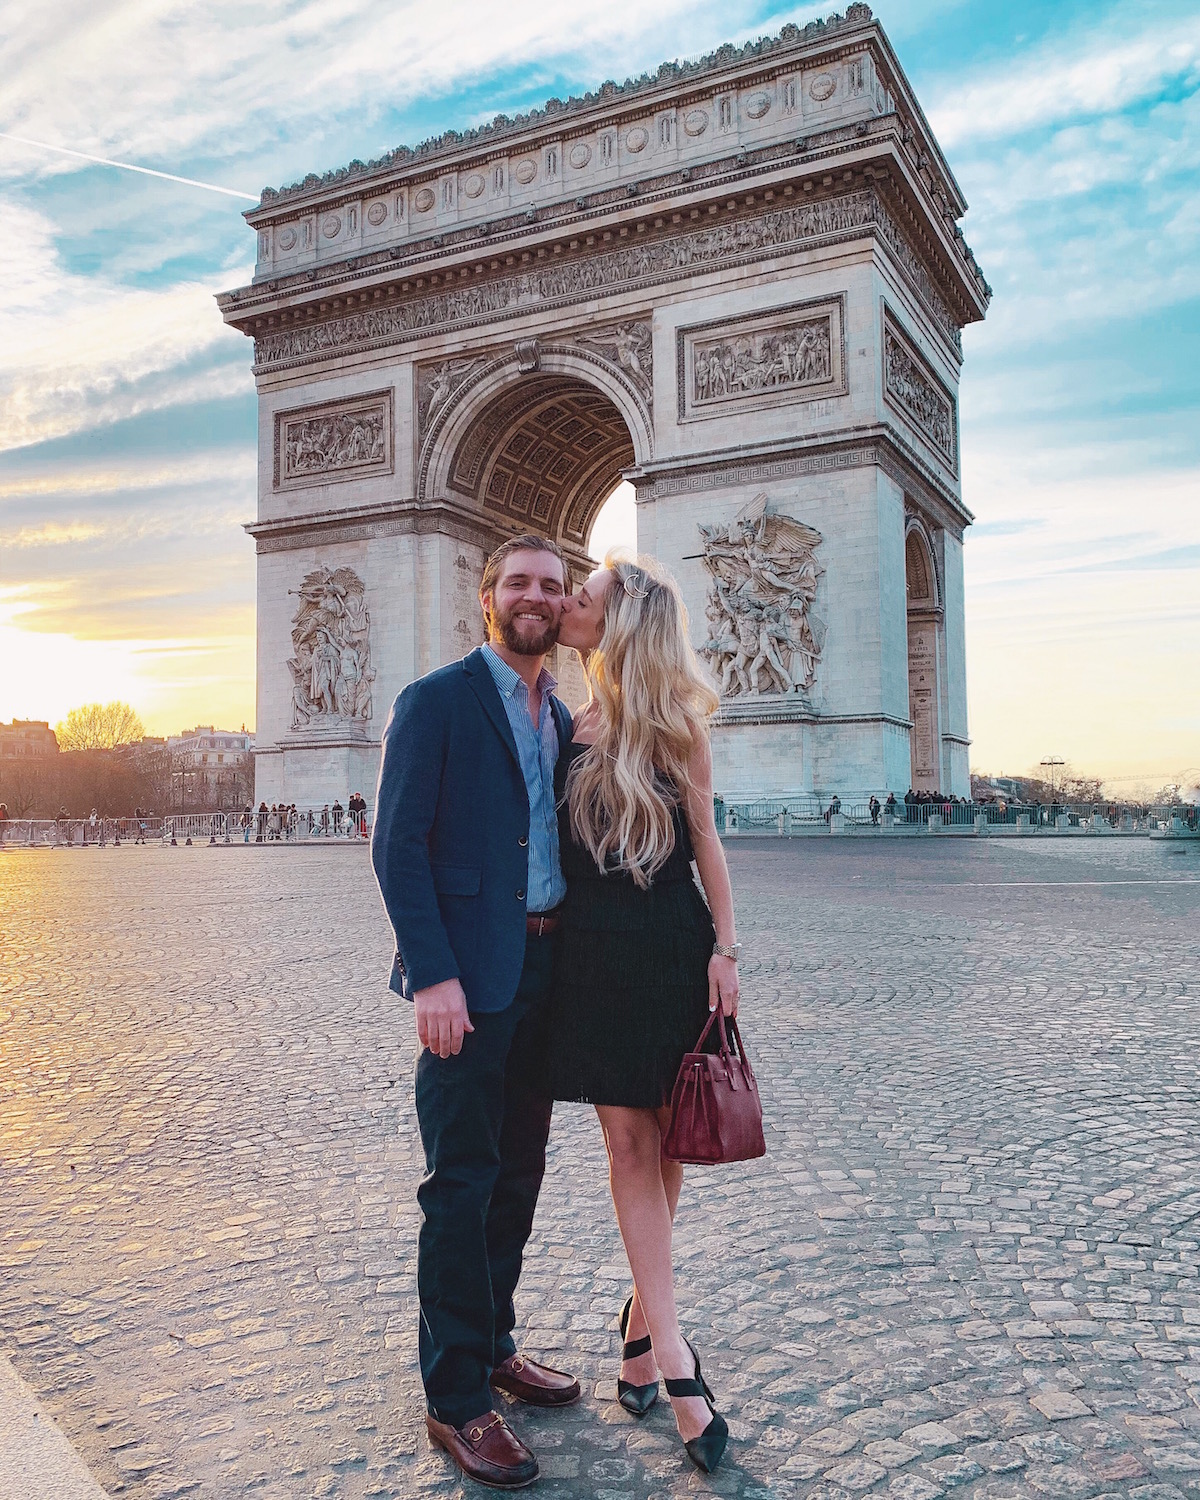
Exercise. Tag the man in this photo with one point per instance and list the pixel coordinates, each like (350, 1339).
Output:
(465, 849)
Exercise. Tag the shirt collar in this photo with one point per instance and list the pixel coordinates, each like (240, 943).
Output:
(506, 678)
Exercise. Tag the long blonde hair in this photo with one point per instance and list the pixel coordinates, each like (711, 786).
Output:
(654, 709)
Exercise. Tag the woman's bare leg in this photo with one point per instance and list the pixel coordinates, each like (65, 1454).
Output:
(644, 1369)
(633, 1138)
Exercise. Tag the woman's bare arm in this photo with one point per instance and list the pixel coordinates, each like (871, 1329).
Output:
(714, 876)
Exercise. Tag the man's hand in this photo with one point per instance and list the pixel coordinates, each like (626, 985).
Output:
(442, 1017)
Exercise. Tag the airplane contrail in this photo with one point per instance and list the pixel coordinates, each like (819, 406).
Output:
(127, 166)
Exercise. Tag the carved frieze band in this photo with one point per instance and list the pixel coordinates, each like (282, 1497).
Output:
(333, 441)
(690, 253)
(793, 353)
(911, 387)
(882, 452)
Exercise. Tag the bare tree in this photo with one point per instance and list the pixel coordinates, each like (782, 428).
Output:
(99, 726)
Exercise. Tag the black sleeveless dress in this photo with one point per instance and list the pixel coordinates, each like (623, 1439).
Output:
(631, 973)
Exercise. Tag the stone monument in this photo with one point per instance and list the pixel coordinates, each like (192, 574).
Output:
(738, 283)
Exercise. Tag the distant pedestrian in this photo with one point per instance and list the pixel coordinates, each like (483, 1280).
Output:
(338, 810)
(325, 819)
(874, 807)
(264, 814)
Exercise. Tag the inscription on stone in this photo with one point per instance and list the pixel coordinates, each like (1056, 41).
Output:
(327, 443)
(794, 353)
(910, 385)
(467, 630)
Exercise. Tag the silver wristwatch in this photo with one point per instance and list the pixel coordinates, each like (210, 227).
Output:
(728, 950)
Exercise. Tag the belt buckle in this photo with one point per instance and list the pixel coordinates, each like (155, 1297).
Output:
(541, 928)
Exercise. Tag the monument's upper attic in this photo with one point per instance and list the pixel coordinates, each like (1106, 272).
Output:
(831, 91)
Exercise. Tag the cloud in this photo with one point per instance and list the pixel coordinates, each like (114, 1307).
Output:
(1069, 79)
(127, 408)
(80, 351)
(145, 81)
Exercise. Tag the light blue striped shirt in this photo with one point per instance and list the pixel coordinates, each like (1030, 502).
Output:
(537, 749)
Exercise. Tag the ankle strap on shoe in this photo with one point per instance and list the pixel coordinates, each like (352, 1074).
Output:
(685, 1388)
(635, 1347)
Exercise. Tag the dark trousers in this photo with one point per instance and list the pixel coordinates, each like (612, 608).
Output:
(484, 1125)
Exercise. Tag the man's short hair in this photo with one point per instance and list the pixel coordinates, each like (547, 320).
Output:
(530, 542)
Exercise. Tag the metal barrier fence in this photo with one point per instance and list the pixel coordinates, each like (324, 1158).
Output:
(796, 815)
(190, 828)
(805, 812)
(33, 833)
(266, 828)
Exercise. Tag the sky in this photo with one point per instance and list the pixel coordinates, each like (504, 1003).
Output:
(127, 408)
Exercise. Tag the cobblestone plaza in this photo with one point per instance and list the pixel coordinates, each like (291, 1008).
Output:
(968, 1264)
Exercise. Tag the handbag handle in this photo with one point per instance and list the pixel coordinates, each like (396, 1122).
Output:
(718, 1019)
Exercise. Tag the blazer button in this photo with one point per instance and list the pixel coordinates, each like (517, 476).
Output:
(521, 894)
(523, 842)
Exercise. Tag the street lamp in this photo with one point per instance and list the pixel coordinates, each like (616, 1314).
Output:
(1053, 762)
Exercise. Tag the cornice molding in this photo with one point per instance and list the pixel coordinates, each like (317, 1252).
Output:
(393, 518)
(876, 446)
(867, 146)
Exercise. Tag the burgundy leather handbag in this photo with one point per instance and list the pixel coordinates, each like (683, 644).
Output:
(716, 1114)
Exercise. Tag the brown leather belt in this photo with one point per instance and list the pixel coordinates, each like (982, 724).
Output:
(542, 923)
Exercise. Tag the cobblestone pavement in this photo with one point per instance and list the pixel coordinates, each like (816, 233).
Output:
(968, 1264)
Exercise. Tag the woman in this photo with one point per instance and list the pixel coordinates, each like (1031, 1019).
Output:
(640, 965)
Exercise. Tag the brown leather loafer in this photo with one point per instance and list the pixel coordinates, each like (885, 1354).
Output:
(487, 1450)
(536, 1384)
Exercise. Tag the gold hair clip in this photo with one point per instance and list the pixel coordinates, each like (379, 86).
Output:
(632, 589)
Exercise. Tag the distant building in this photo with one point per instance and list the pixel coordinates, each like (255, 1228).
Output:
(211, 768)
(1006, 786)
(27, 737)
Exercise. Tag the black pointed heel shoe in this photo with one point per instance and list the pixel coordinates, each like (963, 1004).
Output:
(706, 1450)
(637, 1399)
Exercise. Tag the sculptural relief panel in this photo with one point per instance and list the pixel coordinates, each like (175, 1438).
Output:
(793, 353)
(763, 637)
(337, 440)
(331, 669)
(911, 387)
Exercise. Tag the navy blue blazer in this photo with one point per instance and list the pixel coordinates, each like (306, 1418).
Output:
(450, 845)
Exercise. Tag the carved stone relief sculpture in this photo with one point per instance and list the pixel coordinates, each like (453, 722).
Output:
(327, 443)
(629, 346)
(791, 354)
(762, 635)
(437, 383)
(331, 644)
(912, 387)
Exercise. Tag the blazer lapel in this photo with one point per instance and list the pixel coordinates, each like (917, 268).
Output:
(562, 722)
(483, 684)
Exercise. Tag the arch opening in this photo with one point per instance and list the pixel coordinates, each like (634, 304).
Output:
(544, 454)
(924, 662)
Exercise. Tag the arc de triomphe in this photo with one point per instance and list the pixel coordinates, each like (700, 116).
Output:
(738, 283)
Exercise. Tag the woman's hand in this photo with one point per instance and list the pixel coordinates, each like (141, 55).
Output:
(723, 984)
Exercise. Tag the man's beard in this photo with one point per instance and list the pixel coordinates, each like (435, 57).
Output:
(506, 626)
